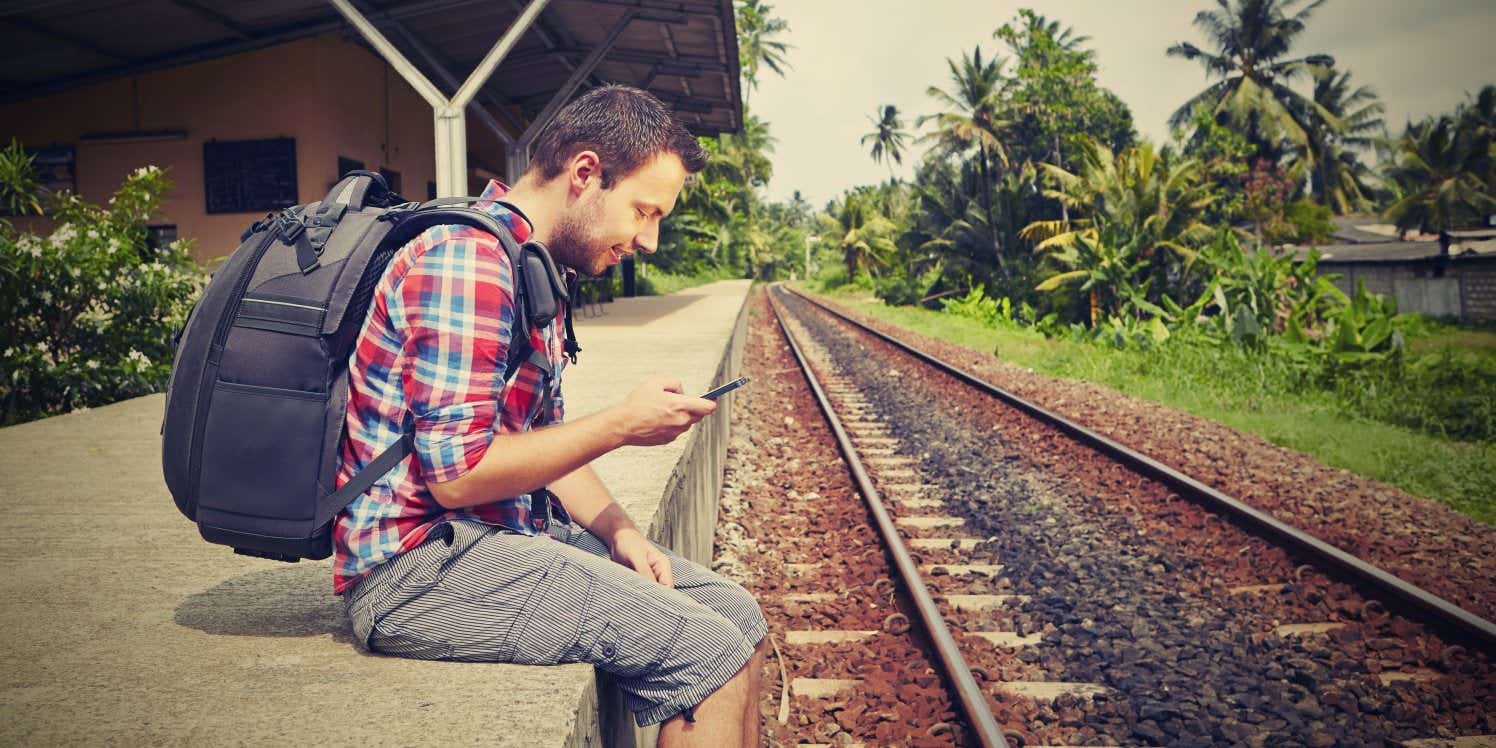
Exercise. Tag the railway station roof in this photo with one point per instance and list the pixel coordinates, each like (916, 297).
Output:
(684, 51)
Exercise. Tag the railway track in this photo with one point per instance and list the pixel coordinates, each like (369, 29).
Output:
(1055, 621)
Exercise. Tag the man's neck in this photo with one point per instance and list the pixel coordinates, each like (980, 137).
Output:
(538, 205)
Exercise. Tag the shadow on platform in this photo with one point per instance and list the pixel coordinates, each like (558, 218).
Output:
(289, 602)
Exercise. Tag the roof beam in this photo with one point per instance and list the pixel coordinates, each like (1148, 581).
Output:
(78, 42)
(270, 37)
(444, 73)
(215, 17)
(638, 56)
(583, 70)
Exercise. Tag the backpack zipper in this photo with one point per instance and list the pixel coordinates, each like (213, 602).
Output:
(215, 354)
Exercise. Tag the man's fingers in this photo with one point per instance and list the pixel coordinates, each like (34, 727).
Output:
(661, 565)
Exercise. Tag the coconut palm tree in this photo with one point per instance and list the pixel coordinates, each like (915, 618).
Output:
(1332, 152)
(1442, 170)
(972, 121)
(758, 42)
(863, 234)
(889, 138)
(1252, 40)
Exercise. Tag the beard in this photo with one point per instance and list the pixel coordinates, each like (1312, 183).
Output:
(574, 242)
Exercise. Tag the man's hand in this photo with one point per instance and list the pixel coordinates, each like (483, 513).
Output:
(632, 549)
(656, 413)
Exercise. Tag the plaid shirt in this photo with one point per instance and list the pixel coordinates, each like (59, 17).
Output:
(431, 359)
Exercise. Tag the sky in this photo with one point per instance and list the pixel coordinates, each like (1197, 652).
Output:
(850, 57)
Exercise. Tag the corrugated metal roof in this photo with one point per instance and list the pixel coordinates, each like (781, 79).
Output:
(684, 51)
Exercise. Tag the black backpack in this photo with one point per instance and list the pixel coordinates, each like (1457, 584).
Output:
(255, 406)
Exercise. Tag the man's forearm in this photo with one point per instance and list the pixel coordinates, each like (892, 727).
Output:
(520, 463)
(590, 503)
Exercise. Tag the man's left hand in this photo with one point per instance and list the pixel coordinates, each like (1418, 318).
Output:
(633, 550)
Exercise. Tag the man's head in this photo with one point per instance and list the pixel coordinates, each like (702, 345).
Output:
(613, 163)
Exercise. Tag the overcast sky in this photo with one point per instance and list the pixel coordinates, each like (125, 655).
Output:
(851, 56)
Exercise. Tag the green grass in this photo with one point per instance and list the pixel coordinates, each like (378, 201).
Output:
(1243, 393)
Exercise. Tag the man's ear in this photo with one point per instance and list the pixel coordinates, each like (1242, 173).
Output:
(584, 170)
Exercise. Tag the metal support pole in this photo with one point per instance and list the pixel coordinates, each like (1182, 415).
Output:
(449, 122)
(577, 76)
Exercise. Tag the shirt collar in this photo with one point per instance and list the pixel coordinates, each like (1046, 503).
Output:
(517, 223)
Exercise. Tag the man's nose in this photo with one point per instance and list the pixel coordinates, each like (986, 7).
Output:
(647, 241)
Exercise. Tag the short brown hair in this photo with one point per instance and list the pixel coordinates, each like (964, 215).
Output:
(624, 125)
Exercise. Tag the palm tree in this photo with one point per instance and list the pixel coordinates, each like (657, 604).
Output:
(888, 137)
(972, 120)
(1332, 152)
(862, 233)
(1441, 169)
(1064, 36)
(758, 29)
(1136, 211)
(1252, 40)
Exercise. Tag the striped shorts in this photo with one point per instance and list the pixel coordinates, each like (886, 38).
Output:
(474, 592)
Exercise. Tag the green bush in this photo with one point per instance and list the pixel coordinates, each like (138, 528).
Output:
(1310, 221)
(91, 307)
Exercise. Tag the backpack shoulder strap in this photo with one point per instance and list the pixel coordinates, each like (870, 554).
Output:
(519, 346)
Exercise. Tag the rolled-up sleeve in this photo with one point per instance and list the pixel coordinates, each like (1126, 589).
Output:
(457, 313)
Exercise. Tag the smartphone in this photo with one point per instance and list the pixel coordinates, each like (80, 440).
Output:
(726, 388)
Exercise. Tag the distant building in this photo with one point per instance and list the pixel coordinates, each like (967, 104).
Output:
(1446, 275)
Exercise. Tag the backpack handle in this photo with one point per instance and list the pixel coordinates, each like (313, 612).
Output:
(356, 189)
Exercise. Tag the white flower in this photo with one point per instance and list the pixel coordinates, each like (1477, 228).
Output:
(10, 352)
(42, 348)
(92, 364)
(45, 296)
(138, 357)
(64, 234)
(146, 171)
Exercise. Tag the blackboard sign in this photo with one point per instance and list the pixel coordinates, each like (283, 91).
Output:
(249, 176)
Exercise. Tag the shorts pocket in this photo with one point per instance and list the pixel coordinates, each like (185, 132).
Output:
(633, 642)
(551, 620)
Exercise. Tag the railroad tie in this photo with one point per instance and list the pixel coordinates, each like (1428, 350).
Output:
(1415, 675)
(1257, 589)
(1307, 629)
(822, 688)
(926, 523)
(971, 603)
(801, 638)
(1466, 741)
(808, 597)
(990, 570)
(1039, 690)
(964, 544)
(1007, 638)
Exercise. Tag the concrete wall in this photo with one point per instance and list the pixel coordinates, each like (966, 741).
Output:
(685, 521)
(330, 93)
(1467, 290)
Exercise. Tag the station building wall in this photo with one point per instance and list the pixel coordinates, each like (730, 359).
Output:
(335, 97)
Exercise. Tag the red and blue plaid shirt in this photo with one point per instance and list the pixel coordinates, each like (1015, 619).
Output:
(431, 360)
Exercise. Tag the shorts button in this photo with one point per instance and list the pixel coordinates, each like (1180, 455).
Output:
(609, 651)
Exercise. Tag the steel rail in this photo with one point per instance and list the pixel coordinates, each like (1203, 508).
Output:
(1452, 621)
(973, 701)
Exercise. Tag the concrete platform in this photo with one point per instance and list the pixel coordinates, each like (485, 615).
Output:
(121, 626)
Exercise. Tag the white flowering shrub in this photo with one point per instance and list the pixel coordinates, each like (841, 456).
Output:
(89, 308)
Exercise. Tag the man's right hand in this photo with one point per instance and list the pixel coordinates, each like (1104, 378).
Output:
(657, 412)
